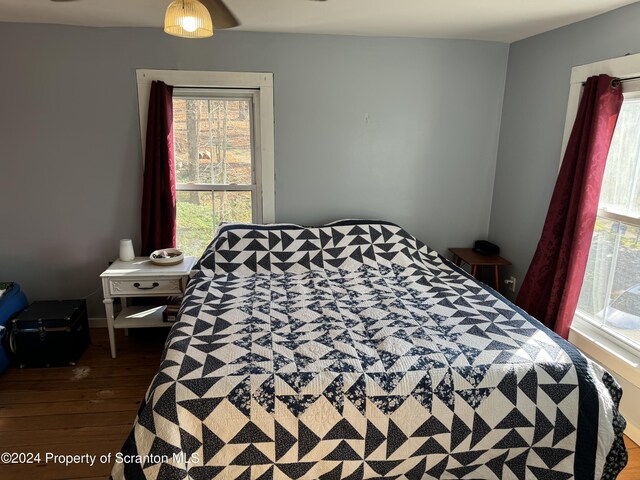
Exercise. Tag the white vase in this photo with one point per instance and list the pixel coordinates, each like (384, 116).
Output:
(126, 250)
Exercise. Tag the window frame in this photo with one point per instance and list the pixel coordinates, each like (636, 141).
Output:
(587, 333)
(253, 95)
(604, 213)
(263, 110)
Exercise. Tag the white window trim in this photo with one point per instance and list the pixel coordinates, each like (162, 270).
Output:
(603, 347)
(263, 82)
(621, 67)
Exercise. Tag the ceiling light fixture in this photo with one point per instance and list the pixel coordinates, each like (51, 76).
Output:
(188, 19)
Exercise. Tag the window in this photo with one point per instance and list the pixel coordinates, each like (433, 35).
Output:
(610, 295)
(215, 163)
(223, 148)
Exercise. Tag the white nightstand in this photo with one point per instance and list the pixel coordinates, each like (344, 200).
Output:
(141, 278)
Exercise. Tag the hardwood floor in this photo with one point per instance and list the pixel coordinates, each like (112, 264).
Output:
(632, 471)
(90, 408)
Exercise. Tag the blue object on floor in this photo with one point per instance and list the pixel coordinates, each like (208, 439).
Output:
(14, 300)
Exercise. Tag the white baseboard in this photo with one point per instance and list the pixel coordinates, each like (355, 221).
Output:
(98, 322)
(633, 433)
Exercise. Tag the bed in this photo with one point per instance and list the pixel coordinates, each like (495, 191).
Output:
(353, 351)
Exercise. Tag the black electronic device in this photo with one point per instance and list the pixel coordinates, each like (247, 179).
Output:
(484, 247)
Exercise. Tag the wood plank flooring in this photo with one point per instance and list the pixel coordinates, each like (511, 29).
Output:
(632, 471)
(90, 408)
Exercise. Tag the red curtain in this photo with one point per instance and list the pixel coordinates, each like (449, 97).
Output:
(159, 187)
(551, 288)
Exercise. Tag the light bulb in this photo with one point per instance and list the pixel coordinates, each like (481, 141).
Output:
(190, 24)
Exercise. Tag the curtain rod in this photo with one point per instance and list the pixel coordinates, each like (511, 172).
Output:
(203, 87)
(617, 81)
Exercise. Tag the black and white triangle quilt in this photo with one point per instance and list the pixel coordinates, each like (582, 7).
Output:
(353, 351)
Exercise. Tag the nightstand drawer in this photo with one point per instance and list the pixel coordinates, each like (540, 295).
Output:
(145, 287)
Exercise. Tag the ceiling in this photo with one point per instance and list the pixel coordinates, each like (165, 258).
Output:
(498, 20)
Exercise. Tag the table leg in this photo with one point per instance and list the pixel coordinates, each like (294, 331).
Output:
(458, 261)
(474, 270)
(124, 303)
(108, 306)
(497, 273)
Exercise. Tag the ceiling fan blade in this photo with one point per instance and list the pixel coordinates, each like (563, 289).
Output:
(221, 16)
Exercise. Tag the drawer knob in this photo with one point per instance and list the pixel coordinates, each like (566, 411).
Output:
(153, 285)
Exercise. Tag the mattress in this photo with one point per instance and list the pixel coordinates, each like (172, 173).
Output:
(353, 351)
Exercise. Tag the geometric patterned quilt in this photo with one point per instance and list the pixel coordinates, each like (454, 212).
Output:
(353, 351)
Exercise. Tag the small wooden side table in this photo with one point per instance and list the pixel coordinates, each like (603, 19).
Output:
(141, 278)
(475, 260)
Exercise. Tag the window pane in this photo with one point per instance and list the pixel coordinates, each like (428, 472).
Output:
(621, 183)
(611, 290)
(596, 279)
(623, 313)
(194, 221)
(198, 219)
(232, 207)
(212, 145)
(212, 140)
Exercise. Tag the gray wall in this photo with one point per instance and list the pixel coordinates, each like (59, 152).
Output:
(535, 104)
(398, 129)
